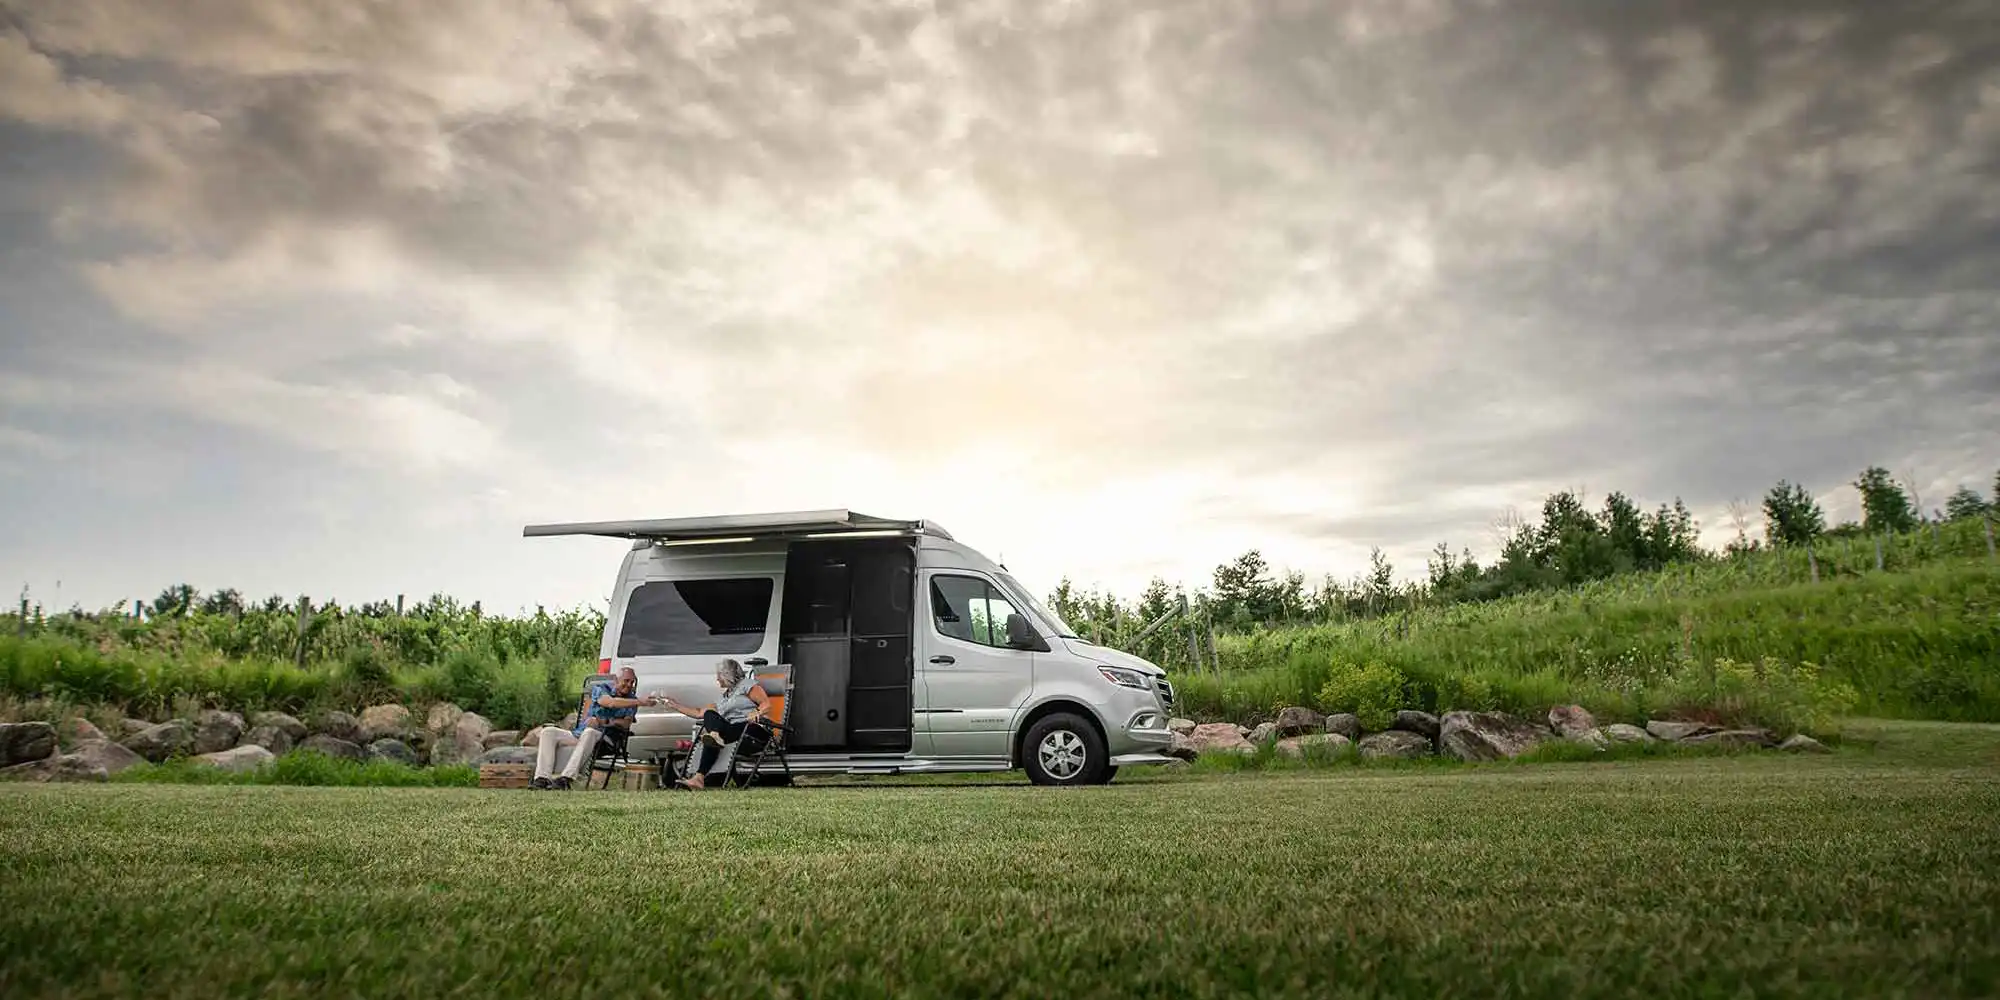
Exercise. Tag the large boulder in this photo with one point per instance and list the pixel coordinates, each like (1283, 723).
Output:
(385, 722)
(442, 717)
(1344, 724)
(133, 727)
(272, 738)
(238, 759)
(157, 743)
(1674, 732)
(283, 723)
(1296, 721)
(1180, 726)
(1487, 735)
(215, 731)
(1264, 733)
(1179, 746)
(501, 738)
(1734, 739)
(1220, 737)
(1424, 724)
(1619, 732)
(333, 746)
(508, 755)
(456, 747)
(474, 725)
(1315, 746)
(339, 725)
(1395, 743)
(1803, 744)
(395, 751)
(104, 755)
(1572, 722)
(26, 742)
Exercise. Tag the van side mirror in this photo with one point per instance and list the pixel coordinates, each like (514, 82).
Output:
(1020, 635)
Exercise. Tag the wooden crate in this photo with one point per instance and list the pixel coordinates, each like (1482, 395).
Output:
(506, 775)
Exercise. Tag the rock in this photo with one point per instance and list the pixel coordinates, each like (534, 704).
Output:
(1735, 739)
(456, 747)
(77, 767)
(1220, 737)
(1297, 721)
(272, 738)
(1396, 743)
(475, 725)
(283, 723)
(383, 722)
(1424, 724)
(443, 717)
(1487, 735)
(1264, 733)
(81, 730)
(1180, 726)
(1674, 732)
(1182, 747)
(501, 738)
(238, 759)
(104, 755)
(216, 731)
(333, 746)
(26, 742)
(1572, 721)
(1619, 732)
(1345, 724)
(392, 750)
(1318, 746)
(508, 755)
(133, 727)
(157, 743)
(1803, 744)
(339, 725)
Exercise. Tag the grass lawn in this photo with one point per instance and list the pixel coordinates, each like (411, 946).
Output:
(1872, 872)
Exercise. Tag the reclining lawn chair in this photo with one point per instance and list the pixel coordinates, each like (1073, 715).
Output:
(762, 742)
(610, 755)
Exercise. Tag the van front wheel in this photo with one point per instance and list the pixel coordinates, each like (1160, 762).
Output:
(1063, 749)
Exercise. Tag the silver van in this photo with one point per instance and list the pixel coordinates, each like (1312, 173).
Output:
(909, 651)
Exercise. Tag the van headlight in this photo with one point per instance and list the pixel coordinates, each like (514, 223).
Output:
(1123, 678)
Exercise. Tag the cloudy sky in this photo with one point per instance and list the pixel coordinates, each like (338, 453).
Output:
(333, 297)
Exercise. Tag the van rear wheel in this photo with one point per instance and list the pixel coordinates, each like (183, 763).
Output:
(1063, 749)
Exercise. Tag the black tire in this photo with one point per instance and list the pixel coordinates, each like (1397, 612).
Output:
(1070, 737)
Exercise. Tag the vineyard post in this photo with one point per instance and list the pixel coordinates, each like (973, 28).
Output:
(1990, 552)
(1812, 562)
(138, 609)
(1878, 553)
(1213, 656)
(399, 605)
(305, 615)
(24, 618)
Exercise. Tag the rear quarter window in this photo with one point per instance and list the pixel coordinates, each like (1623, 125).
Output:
(696, 617)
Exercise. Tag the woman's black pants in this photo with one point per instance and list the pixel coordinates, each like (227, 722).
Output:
(730, 732)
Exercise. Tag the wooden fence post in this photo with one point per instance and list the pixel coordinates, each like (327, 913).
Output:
(1812, 562)
(399, 605)
(1878, 553)
(1990, 553)
(24, 618)
(305, 615)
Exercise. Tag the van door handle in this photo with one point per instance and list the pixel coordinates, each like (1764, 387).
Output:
(756, 661)
(943, 659)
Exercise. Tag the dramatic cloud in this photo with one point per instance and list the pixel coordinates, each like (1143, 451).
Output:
(1116, 289)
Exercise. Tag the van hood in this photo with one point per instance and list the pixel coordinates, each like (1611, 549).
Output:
(1113, 657)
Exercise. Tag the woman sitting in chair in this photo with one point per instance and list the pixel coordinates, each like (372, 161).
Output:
(743, 699)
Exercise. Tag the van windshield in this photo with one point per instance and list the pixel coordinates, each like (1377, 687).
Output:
(696, 617)
(1027, 598)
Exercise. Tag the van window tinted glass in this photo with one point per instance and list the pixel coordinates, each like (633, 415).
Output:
(969, 609)
(689, 617)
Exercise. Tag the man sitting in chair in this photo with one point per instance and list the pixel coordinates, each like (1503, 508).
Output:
(743, 699)
(610, 718)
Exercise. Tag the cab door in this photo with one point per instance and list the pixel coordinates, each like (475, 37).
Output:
(974, 685)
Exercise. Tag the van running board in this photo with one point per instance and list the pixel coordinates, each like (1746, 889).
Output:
(920, 767)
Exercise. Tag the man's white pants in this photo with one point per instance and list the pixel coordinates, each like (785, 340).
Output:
(553, 738)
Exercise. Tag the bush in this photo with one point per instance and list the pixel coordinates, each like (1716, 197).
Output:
(1373, 691)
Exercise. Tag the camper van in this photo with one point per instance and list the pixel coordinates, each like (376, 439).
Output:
(909, 651)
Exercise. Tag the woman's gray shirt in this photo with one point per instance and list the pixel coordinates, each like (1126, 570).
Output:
(735, 704)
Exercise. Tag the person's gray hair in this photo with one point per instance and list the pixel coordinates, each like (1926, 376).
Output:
(729, 672)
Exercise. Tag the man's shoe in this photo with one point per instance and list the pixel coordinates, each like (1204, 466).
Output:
(539, 784)
(563, 783)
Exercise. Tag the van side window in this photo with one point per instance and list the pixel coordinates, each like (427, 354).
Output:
(696, 617)
(969, 609)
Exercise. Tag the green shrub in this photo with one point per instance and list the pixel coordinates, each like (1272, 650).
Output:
(1373, 691)
(305, 767)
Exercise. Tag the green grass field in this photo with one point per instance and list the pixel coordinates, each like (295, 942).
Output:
(1872, 872)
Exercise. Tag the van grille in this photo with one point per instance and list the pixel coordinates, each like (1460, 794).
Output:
(1166, 692)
